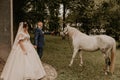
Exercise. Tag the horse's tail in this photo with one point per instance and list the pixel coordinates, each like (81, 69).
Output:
(113, 51)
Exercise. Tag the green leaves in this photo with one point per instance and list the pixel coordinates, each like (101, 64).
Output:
(92, 14)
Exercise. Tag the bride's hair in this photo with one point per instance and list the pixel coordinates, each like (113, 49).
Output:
(25, 25)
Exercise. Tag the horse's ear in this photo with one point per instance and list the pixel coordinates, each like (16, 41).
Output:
(68, 25)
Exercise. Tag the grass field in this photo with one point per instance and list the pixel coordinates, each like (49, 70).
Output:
(57, 52)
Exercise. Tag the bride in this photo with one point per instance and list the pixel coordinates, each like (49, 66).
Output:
(23, 62)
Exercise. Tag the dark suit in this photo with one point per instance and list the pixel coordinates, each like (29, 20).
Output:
(39, 41)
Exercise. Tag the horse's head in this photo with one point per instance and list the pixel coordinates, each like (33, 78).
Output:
(66, 29)
(64, 32)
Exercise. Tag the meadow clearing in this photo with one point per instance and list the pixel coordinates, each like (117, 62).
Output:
(57, 52)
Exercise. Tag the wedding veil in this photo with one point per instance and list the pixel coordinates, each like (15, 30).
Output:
(20, 29)
(15, 45)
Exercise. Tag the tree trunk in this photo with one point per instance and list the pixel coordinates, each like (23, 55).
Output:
(64, 12)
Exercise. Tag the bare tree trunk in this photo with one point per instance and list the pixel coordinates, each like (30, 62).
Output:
(64, 12)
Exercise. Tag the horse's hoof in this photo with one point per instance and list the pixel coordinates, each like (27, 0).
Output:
(106, 73)
(70, 65)
(80, 65)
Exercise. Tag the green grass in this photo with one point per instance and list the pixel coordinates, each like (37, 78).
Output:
(57, 52)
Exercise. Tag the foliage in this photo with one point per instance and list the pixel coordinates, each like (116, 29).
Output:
(104, 15)
(53, 7)
(39, 10)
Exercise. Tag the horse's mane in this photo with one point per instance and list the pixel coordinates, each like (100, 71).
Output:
(76, 30)
(72, 28)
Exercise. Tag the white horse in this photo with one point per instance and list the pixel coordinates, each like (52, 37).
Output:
(83, 42)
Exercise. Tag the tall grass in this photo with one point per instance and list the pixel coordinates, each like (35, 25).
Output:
(57, 52)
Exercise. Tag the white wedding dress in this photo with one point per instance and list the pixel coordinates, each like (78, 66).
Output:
(20, 66)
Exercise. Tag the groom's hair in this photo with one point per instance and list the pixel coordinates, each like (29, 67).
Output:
(39, 22)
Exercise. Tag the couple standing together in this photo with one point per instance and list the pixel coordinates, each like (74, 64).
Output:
(24, 62)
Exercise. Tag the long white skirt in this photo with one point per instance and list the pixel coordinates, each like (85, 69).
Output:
(22, 67)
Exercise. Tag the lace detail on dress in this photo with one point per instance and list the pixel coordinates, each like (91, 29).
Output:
(23, 36)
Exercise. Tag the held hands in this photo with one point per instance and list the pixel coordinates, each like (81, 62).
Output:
(35, 46)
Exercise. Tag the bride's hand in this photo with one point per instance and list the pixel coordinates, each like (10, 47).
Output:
(25, 53)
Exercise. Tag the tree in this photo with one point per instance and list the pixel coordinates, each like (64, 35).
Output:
(17, 13)
(53, 7)
(111, 11)
(81, 11)
(35, 11)
(103, 16)
(66, 5)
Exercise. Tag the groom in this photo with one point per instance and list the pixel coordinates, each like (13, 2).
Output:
(39, 39)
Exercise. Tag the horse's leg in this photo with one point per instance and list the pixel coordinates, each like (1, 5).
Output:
(105, 68)
(107, 61)
(73, 56)
(81, 60)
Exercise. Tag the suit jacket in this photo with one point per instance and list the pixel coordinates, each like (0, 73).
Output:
(39, 38)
